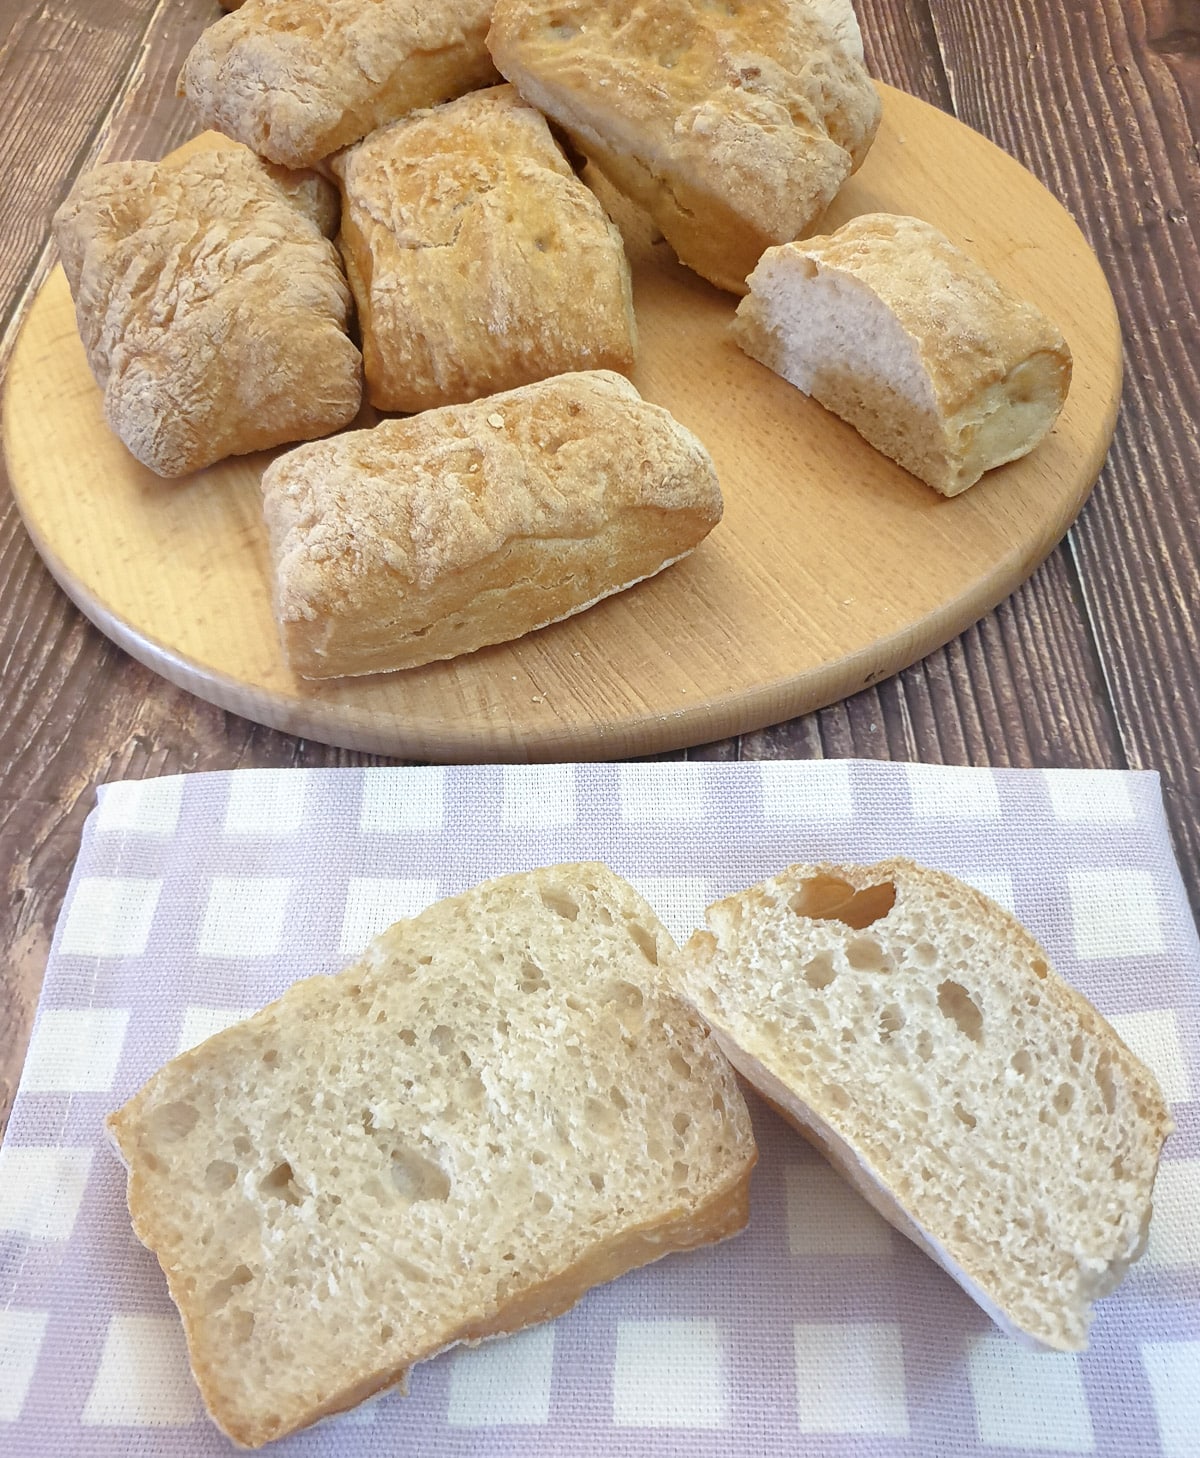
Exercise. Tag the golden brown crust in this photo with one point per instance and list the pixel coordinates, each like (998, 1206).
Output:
(933, 361)
(298, 79)
(429, 537)
(212, 309)
(478, 260)
(734, 127)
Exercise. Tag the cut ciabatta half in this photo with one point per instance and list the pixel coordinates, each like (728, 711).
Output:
(499, 1106)
(915, 1032)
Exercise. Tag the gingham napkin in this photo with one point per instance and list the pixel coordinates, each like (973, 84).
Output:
(820, 1331)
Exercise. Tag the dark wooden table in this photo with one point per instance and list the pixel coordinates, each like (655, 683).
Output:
(1092, 663)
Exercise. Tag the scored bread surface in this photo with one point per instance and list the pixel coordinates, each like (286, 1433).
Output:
(429, 537)
(734, 126)
(497, 1107)
(478, 260)
(298, 79)
(893, 327)
(917, 1033)
(212, 308)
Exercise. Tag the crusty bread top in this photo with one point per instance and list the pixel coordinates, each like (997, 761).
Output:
(757, 106)
(981, 1103)
(299, 79)
(497, 1106)
(212, 308)
(418, 499)
(840, 17)
(479, 261)
(969, 328)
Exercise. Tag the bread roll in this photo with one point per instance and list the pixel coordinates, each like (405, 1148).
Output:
(430, 537)
(895, 329)
(478, 260)
(915, 1032)
(212, 308)
(299, 79)
(498, 1107)
(734, 126)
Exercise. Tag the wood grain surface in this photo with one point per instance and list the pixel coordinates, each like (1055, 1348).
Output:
(771, 617)
(1092, 663)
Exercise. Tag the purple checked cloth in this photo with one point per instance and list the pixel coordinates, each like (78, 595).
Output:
(820, 1330)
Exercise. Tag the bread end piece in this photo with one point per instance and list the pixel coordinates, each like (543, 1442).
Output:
(498, 1106)
(915, 1032)
(897, 330)
(427, 538)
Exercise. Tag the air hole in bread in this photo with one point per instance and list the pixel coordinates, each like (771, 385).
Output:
(575, 1003)
(150, 1162)
(957, 1005)
(891, 1020)
(241, 1326)
(354, 991)
(1021, 1062)
(679, 1063)
(242, 1145)
(601, 1117)
(381, 1016)
(533, 979)
(924, 954)
(681, 1123)
(219, 1176)
(866, 955)
(537, 1157)
(173, 1122)
(1064, 1097)
(542, 1203)
(425, 960)
(281, 1184)
(829, 898)
(820, 972)
(849, 1037)
(646, 942)
(679, 1173)
(1104, 1081)
(628, 1002)
(1077, 1048)
(271, 1057)
(924, 1045)
(618, 1098)
(559, 903)
(597, 1180)
(416, 1178)
(1039, 968)
(964, 1116)
(386, 1332)
(837, 1096)
(442, 1038)
(219, 1294)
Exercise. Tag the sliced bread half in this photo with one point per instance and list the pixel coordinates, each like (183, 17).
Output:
(915, 1032)
(499, 1106)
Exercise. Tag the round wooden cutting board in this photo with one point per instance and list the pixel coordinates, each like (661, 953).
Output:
(832, 568)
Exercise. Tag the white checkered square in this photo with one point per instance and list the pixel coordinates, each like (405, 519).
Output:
(1173, 1370)
(952, 792)
(143, 1380)
(75, 1050)
(538, 796)
(793, 790)
(1114, 913)
(244, 916)
(21, 1336)
(1091, 797)
(678, 900)
(850, 1378)
(1027, 1399)
(109, 916)
(373, 903)
(996, 884)
(1175, 1228)
(266, 802)
(1154, 1037)
(149, 807)
(504, 1382)
(199, 1023)
(41, 1188)
(826, 1217)
(669, 1374)
(668, 792)
(399, 800)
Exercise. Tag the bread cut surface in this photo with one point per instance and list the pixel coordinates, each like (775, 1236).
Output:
(915, 1031)
(429, 537)
(299, 79)
(897, 330)
(212, 306)
(733, 125)
(478, 260)
(499, 1106)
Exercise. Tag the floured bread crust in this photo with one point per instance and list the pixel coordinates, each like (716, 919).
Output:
(478, 260)
(426, 538)
(299, 79)
(734, 126)
(212, 307)
(894, 328)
